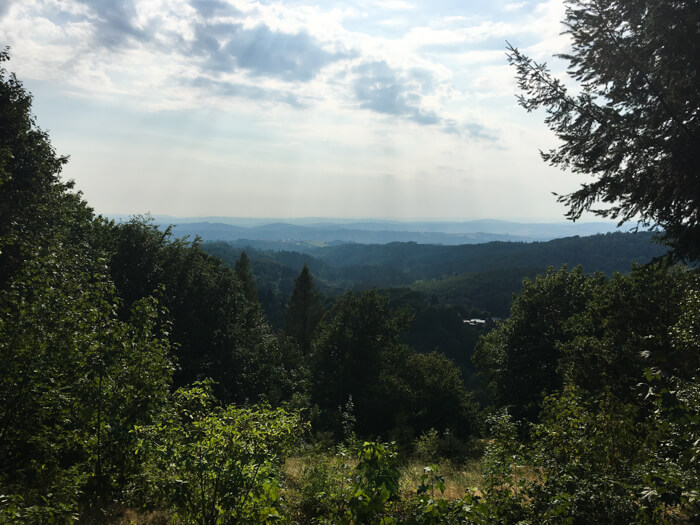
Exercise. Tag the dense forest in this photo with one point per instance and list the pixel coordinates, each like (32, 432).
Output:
(441, 287)
(153, 379)
(482, 276)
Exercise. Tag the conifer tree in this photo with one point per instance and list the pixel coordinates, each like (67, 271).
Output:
(633, 123)
(304, 311)
(244, 272)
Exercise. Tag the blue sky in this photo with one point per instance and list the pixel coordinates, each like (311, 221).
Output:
(391, 108)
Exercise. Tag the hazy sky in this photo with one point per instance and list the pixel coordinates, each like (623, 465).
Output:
(292, 109)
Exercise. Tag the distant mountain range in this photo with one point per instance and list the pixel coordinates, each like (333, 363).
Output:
(267, 233)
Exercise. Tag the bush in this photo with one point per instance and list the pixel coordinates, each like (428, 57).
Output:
(435, 447)
(212, 464)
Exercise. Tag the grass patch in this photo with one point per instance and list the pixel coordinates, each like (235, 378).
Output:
(458, 477)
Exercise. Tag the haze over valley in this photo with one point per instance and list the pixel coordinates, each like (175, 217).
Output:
(373, 231)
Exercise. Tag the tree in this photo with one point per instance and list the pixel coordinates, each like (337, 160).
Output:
(519, 359)
(626, 328)
(220, 333)
(244, 272)
(304, 311)
(349, 354)
(358, 356)
(635, 123)
(37, 208)
(75, 378)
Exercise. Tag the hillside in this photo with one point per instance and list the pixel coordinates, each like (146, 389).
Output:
(283, 233)
(481, 276)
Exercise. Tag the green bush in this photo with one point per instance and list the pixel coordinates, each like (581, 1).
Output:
(325, 488)
(434, 447)
(218, 464)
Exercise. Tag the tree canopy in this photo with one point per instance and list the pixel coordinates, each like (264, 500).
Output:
(75, 378)
(304, 311)
(244, 272)
(633, 123)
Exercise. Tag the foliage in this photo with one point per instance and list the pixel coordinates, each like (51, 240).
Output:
(624, 328)
(519, 359)
(633, 124)
(375, 483)
(219, 333)
(601, 452)
(356, 487)
(74, 381)
(480, 276)
(433, 447)
(348, 356)
(673, 474)
(304, 311)
(394, 390)
(218, 464)
(686, 332)
(593, 459)
(36, 207)
(75, 377)
(586, 451)
(244, 272)
(489, 291)
(404, 263)
(325, 488)
(417, 392)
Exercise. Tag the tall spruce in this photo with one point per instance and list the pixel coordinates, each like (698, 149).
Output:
(304, 311)
(633, 125)
(244, 272)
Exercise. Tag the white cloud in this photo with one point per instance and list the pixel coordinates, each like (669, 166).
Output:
(395, 5)
(514, 6)
(242, 43)
(334, 88)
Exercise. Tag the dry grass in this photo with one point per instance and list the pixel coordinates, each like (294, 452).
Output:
(134, 517)
(294, 469)
(458, 478)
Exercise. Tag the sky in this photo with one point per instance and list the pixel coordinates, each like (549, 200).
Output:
(386, 109)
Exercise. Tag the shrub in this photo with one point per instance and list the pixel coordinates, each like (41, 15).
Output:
(212, 464)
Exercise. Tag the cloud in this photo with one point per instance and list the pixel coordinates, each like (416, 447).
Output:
(395, 5)
(295, 54)
(382, 89)
(261, 51)
(234, 89)
(209, 8)
(221, 34)
(5, 7)
(402, 93)
(469, 129)
(114, 21)
(514, 6)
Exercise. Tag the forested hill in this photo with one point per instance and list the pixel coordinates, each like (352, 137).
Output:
(482, 276)
(607, 253)
(403, 263)
(376, 231)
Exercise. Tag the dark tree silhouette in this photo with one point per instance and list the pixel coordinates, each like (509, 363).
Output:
(635, 123)
(304, 311)
(244, 272)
